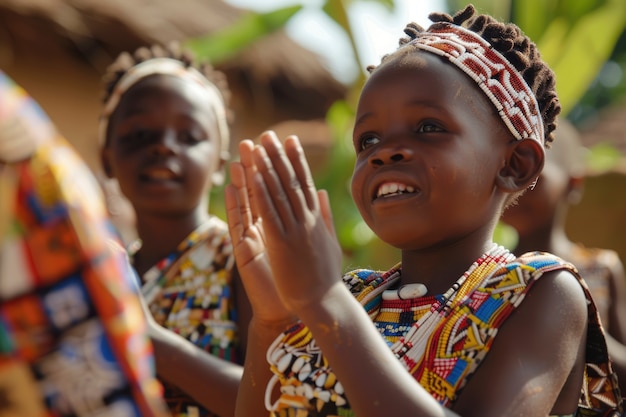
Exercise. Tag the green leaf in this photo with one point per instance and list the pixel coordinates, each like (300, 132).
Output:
(533, 16)
(222, 45)
(603, 157)
(576, 55)
(500, 9)
(551, 45)
(337, 9)
(505, 235)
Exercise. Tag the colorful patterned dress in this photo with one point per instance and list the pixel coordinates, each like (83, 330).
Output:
(73, 339)
(190, 292)
(596, 266)
(440, 340)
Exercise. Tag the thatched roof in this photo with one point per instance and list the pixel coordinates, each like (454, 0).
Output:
(98, 30)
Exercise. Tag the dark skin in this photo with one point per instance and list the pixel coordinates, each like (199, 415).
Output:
(540, 217)
(164, 149)
(423, 128)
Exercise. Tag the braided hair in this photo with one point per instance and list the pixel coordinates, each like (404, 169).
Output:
(517, 48)
(126, 60)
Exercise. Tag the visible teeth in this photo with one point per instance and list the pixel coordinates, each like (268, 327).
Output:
(394, 188)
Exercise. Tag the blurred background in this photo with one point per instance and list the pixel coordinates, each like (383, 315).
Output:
(297, 67)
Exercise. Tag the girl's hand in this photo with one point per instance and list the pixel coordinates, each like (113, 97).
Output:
(246, 232)
(304, 254)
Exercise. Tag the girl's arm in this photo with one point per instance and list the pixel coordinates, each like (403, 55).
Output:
(269, 316)
(211, 381)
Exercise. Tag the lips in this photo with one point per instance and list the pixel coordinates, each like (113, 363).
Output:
(159, 174)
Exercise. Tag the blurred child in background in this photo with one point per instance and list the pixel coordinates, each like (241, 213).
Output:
(539, 217)
(165, 138)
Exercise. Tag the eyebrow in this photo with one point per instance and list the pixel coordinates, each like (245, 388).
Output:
(139, 110)
(414, 103)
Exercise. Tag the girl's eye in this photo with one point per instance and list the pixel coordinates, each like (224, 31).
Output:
(367, 141)
(137, 138)
(139, 134)
(191, 137)
(429, 127)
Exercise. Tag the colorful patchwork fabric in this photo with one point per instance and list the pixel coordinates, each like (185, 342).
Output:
(190, 292)
(459, 340)
(73, 338)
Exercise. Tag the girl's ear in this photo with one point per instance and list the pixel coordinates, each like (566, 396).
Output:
(523, 164)
(218, 176)
(575, 188)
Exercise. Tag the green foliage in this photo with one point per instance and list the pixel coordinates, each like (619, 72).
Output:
(575, 37)
(603, 157)
(577, 49)
(336, 176)
(225, 44)
(505, 235)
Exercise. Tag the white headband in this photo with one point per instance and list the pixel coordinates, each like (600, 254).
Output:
(167, 66)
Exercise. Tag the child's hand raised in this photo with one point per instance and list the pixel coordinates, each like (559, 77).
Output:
(246, 231)
(304, 254)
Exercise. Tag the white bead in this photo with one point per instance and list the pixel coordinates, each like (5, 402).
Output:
(284, 362)
(412, 291)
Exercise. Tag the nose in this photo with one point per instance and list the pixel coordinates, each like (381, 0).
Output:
(165, 143)
(390, 154)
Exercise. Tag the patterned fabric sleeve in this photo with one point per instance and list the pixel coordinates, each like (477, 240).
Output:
(600, 395)
(73, 338)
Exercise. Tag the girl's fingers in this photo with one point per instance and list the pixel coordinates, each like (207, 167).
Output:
(240, 200)
(233, 214)
(266, 190)
(296, 156)
(282, 181)
(246, 158)
(259, 187)
(326, 212)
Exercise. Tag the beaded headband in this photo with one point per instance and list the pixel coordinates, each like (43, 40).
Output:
(167, 66)
(494, 74)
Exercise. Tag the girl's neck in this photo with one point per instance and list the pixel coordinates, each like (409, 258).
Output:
(160, 236)
(439, 268)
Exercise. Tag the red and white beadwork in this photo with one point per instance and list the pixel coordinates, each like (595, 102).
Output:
(494, 74)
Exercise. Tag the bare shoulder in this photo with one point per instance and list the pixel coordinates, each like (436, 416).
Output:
(536, 364)
(556, 296)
